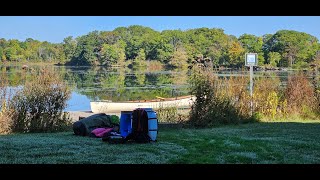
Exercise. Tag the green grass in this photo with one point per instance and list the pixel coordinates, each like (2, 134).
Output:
(272, 142)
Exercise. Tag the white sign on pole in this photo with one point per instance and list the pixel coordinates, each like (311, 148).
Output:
(251, 59)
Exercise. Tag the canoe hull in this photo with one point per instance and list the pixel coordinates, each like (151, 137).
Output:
(116, 107)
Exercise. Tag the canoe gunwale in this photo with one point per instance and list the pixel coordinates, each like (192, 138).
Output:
(147, 101)
(115, 107)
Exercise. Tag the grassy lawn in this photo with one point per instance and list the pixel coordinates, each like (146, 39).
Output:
(276, 142)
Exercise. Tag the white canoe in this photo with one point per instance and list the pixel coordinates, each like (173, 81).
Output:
(116, 107)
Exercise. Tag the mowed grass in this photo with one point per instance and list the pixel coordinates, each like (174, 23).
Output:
(273, 142)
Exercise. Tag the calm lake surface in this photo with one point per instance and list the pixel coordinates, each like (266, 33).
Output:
(120, 84)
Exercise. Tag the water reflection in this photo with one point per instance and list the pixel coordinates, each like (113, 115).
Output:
(121, 84)
(117, 84)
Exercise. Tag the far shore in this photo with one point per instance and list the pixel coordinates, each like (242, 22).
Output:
(220, 68)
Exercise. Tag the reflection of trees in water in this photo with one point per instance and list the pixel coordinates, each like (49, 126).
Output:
(116, 84)
(140, 77)
(179, 77)
(114, 80)
(120, 84)
(139, 84)
(163, 79)
(18, 76)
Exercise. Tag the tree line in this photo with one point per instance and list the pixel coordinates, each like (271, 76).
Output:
(177, 48)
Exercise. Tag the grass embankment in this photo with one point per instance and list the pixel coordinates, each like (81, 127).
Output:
(276, 142)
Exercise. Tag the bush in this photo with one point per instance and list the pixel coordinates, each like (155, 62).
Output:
(300, 95)
(227, 100)
(5, 122)
(234, 89)
(266, 97)
(218, 101)
(39, 106)
(167, 114)
(5, 113)
(317, 101)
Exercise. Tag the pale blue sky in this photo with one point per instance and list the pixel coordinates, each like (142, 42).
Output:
(56, 28)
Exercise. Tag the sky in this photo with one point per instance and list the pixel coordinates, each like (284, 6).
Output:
(56, 28)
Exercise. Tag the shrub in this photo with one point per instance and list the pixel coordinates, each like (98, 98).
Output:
(39, 106)
(317, 93)
(235, 90)
(272, 104)
(167, 114)
(266, 97)
(5, 122)
(202, 87)
(5, 113)
(300, 95)
(218, 101)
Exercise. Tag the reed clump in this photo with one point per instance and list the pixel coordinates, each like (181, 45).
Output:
(38, 106)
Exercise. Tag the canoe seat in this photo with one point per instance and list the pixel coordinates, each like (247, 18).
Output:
(161, 98)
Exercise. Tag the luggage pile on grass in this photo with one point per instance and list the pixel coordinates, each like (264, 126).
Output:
(139, 125)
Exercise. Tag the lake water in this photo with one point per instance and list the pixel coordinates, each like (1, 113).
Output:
(115, 84)
(120, 84)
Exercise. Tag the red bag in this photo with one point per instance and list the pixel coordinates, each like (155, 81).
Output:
(100, 132)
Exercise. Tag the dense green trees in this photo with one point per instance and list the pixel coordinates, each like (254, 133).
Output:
(274, 58)
(294, 47)
(285, 48)
(253, 43)
(113, 54)
(69, 46)
(30, 51)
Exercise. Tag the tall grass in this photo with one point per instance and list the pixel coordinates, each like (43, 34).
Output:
(234, 89)
(167, 114)
(39, 106)
(227, 100)
(172, 115)
(218, 101)
(5, 112)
